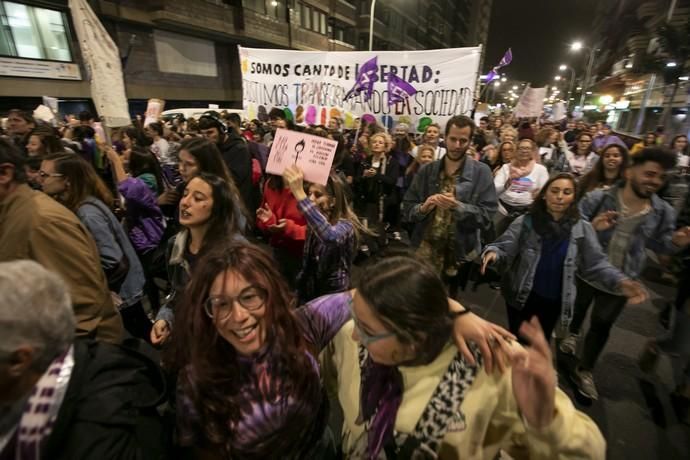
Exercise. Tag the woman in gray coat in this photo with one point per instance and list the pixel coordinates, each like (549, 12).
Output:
(540, 254)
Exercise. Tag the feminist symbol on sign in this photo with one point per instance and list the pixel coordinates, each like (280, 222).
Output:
(299, 148)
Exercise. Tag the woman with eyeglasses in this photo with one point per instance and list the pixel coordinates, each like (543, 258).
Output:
(209, 215)
(73, 181)
(582, 158)
(407, 393)
(249, 379)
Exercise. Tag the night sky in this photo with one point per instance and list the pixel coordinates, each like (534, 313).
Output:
(539, 32)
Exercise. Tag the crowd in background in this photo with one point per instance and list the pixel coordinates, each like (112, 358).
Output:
(175, 234)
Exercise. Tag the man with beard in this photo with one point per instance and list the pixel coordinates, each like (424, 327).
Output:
(235, 153)
(450, 202)
(628, 220)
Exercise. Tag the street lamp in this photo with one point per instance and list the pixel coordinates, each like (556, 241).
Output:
(371, 24)
(563, 67)
(557, 78)
(577, 46)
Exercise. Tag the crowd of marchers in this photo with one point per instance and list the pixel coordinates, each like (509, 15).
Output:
(166, 297)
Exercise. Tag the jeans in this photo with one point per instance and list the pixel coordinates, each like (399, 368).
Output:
(607, 308)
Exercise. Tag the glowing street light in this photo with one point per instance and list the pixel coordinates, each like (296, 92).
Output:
(576, 46)
(562, 67)
(557, 78)
(671, 64)
(497, 83)
(606, 99)
(515, 87)
(504, 79)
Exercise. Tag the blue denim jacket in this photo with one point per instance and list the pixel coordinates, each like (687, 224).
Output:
(112, 241)
(518, 251)
(654, 233)
(474, 189)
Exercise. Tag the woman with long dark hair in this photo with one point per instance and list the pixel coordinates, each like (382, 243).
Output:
(249, 381)
(540, 254)
(406, 393)
(582, 157)
(209, 215)
(609, 170)
(332, 235)
(197, 155)
(73, 181)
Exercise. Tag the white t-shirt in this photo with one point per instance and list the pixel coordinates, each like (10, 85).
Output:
(521, 191)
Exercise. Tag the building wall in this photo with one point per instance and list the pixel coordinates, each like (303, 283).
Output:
(409, 25)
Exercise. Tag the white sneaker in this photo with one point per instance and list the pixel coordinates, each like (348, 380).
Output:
(569, 344)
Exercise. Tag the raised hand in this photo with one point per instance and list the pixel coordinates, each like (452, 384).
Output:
(534, 379)
(294, 179)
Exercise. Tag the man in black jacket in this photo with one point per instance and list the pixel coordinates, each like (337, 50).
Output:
(62, 398)
(233, 148)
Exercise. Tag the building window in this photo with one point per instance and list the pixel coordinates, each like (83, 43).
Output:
(255, 5)
(183, 54)
(313, 19)
(305, 16)
(276, 9)
(32, 32)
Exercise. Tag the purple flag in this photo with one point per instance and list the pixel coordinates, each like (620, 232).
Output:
(366, 77)
(505, 60)
(398, 89)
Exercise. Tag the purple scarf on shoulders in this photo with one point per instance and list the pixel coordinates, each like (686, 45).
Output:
(380, 397)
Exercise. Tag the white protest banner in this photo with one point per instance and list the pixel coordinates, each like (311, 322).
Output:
(313, 154)
(102, 61)
(558, 111)
(314, 86)
(531, 103)
(154, 108)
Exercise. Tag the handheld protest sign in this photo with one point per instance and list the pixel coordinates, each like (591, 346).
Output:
(313, 154)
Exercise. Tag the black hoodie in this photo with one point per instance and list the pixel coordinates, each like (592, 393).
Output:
(237, 158)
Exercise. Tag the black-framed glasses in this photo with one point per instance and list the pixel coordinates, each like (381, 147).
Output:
(250, 298)
(42, 174)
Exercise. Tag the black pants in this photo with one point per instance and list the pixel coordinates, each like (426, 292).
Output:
(148, 263)
(607, 308)
(547, 312)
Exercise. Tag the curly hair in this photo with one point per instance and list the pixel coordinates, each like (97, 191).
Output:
(213, 375)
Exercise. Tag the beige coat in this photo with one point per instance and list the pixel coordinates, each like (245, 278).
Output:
(35, 226)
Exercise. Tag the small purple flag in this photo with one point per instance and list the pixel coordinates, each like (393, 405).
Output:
(505, 60)
(365, 80)
(398, 89)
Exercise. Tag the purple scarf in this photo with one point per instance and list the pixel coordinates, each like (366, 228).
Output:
(380, 397)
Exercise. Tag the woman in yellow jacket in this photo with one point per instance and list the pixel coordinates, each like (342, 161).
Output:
(407, 393)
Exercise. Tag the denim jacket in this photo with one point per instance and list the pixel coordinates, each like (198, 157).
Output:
(654, 233)
(112, 242)
(518, 252)
(478, 203)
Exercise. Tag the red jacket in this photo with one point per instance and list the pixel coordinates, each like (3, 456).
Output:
(284, 206)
